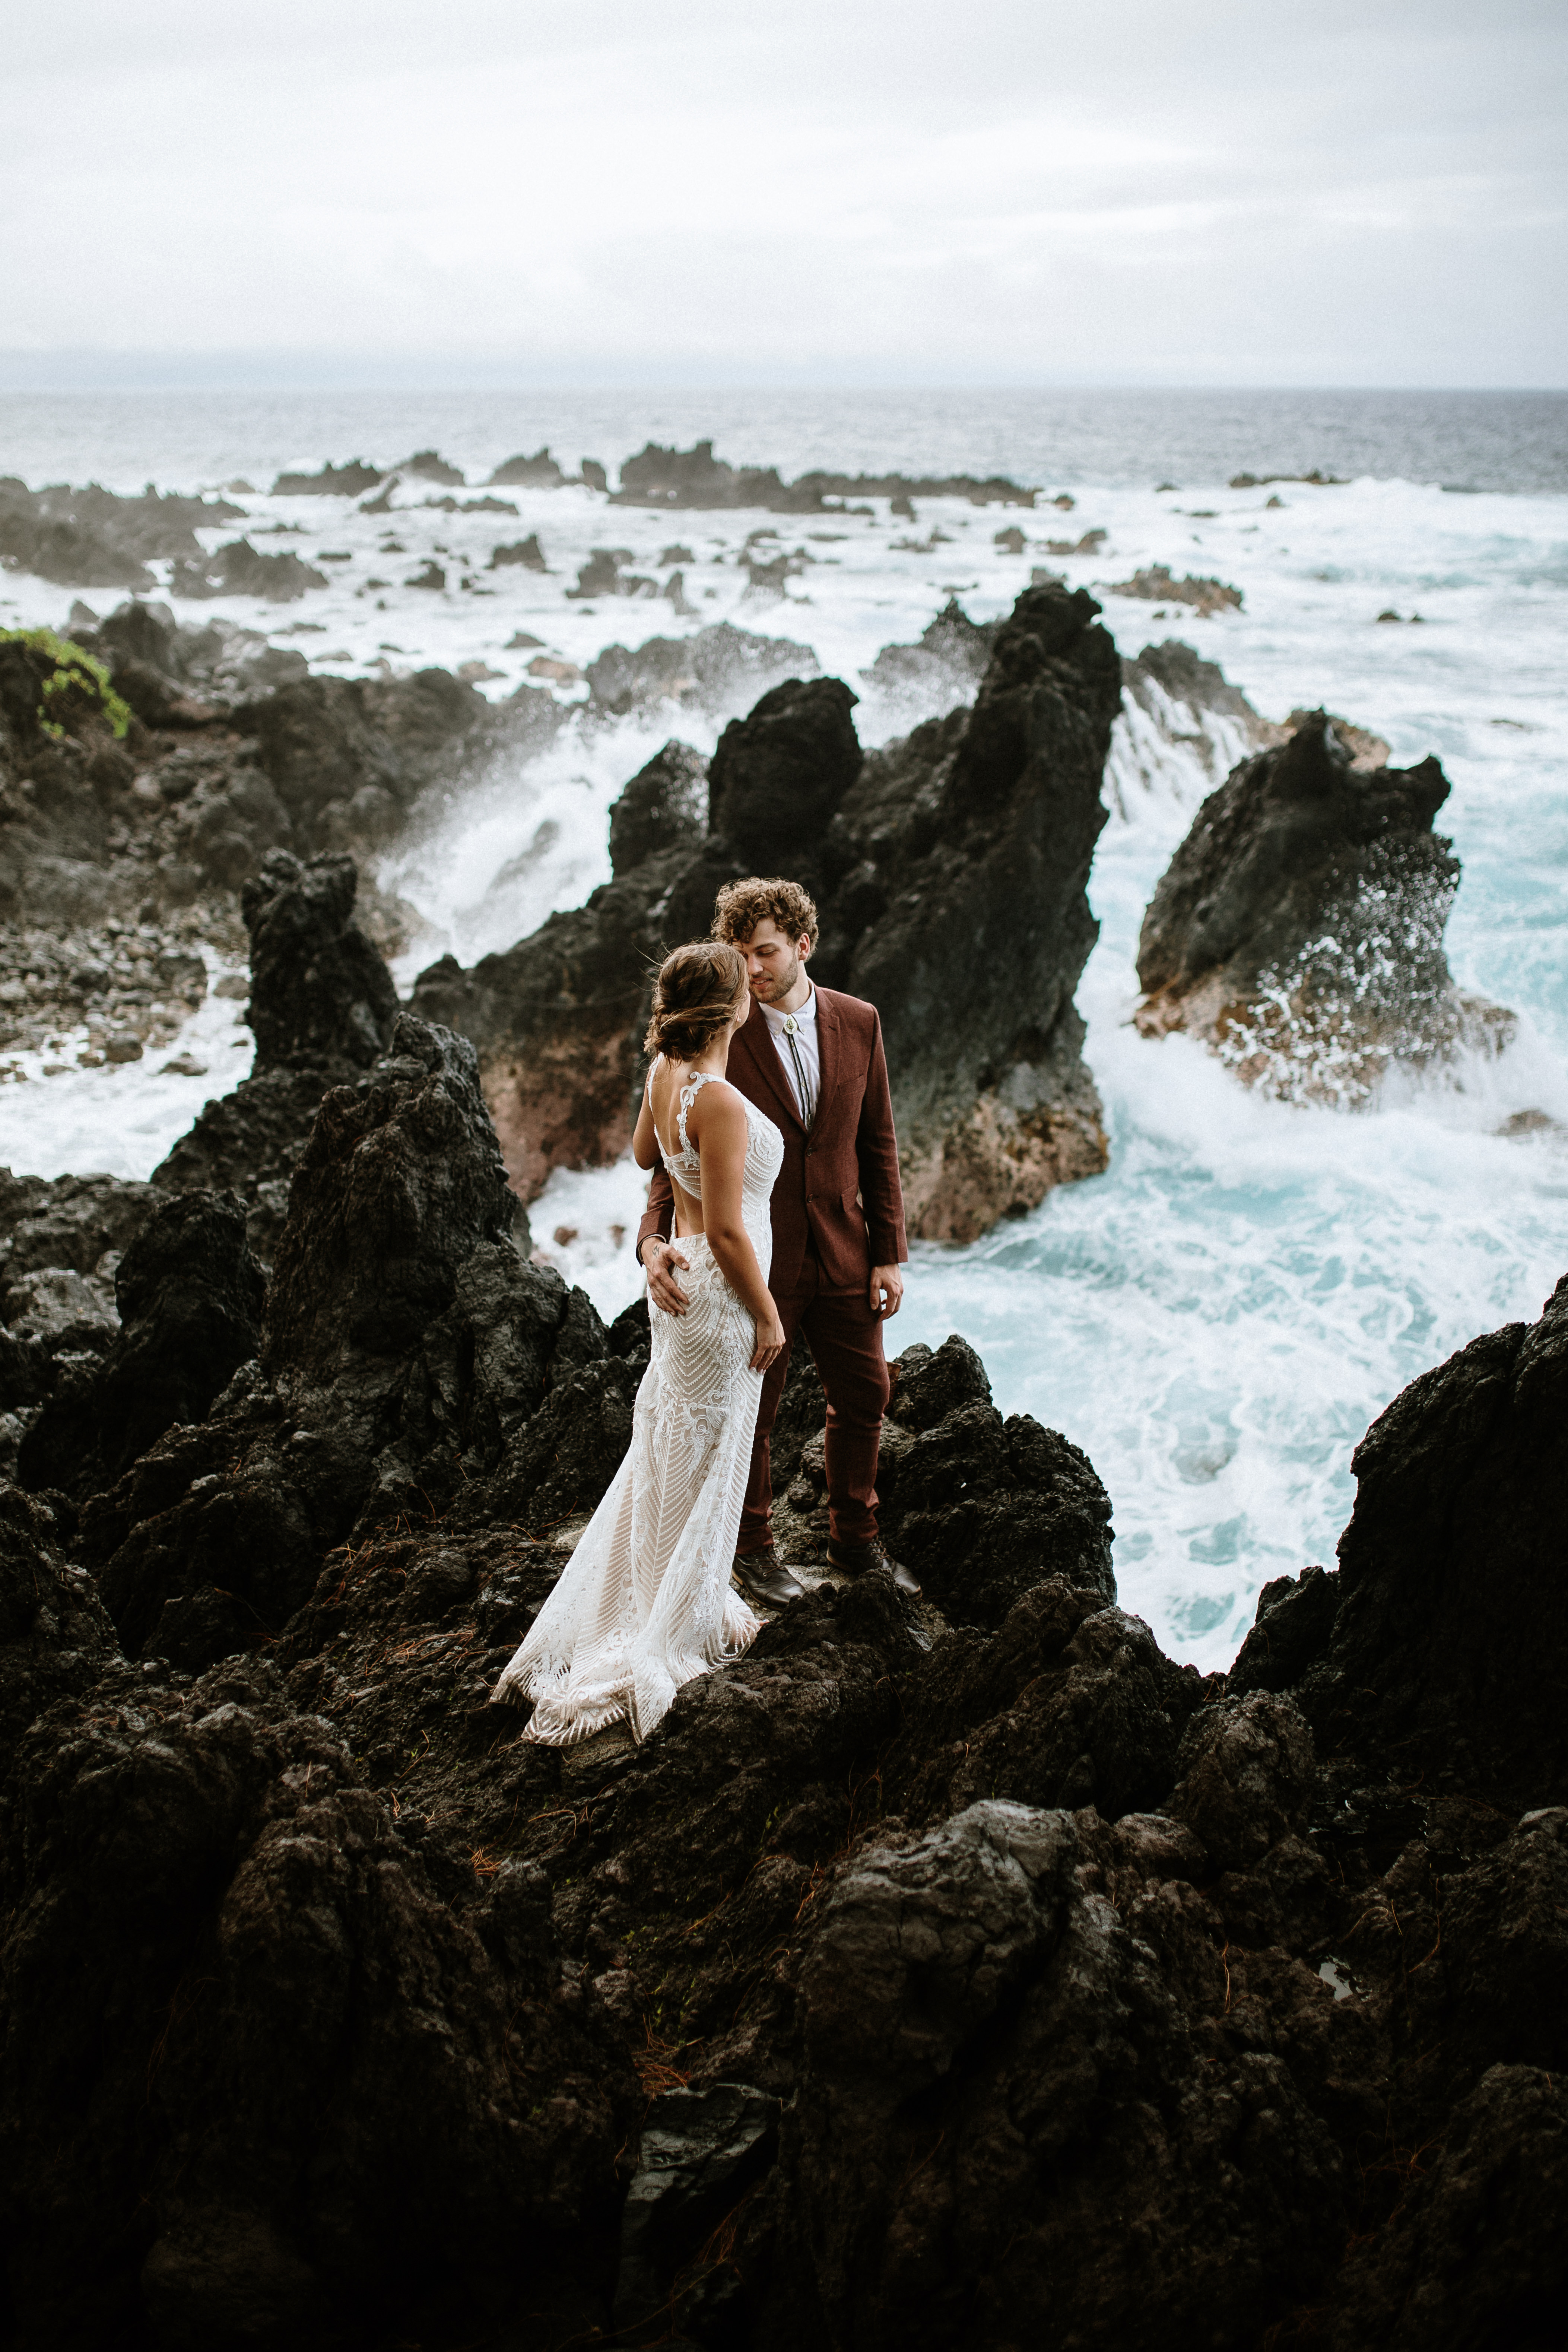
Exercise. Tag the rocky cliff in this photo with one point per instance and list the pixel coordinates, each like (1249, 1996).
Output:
(145, 771)
(1298, 928)
(949, 870)
(935, 1967)
(322, 1008)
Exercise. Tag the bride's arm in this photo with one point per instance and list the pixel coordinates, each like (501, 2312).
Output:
(644, 1140)
(717, 1124)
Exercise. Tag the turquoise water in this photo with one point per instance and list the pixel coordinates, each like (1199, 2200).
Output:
(1216, 1320)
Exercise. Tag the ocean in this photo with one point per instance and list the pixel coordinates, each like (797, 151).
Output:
(1216, 1320)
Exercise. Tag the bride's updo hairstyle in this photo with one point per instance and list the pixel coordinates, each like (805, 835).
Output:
(698, 992)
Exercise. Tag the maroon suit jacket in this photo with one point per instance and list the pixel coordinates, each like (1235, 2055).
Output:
(839, 1185)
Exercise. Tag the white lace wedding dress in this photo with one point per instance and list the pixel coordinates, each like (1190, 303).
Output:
(645, 1602)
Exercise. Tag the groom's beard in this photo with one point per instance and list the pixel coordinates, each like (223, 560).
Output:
(778, 984)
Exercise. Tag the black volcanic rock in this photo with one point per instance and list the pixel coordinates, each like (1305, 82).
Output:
(241, 570)
(348, 481)
(710, 670)
(777, 778)
(74, 1222)
(983, 1509)
(661, 808)
(235, 749)
(1298, 928)
(92, 537)
(1450, 1606)
(378, 2099)
(537, 472)
(60, 1243)
(524, 552)
(55, 1635)
(949, 871)
(969, 1970)
(399, 1184)
(322, 1008)
(360, 753)
(403, 1342)
(962, 915)
(1474, 2254)
(970, 2012)
(944, 666)
(317, 985)
(188, 1293)
(1070, 1702)
(431, 467)
(694, 477)
(559, 1018)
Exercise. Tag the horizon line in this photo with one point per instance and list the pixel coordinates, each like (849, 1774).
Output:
(79, 371)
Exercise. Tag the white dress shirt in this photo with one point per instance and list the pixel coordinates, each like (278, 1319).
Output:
(794, 1034)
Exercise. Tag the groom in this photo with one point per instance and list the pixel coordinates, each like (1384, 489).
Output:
(813, 1062)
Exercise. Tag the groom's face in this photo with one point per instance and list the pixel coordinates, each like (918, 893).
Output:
(772, 961)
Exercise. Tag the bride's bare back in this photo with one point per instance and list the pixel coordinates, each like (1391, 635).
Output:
(715, 1136)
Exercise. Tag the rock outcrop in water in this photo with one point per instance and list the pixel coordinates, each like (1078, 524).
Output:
(92, 537)
(950, 872)
(710, 670)
(1298, 928)
(695, 479)
(931, 1968)
(233, 749)
(146, 771)
(1157, 585)
(946, 665)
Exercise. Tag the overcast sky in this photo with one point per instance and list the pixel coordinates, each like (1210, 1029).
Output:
(1182, 191)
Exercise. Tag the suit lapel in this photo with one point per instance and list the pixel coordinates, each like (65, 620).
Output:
(827, 1055)
(756, 1043)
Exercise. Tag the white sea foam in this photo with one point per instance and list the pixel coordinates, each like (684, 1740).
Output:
(1216, 1320)
(120, 1118)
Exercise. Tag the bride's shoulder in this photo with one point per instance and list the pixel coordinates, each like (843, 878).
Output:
(717, 1105)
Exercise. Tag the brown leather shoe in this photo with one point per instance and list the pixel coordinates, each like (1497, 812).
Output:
(853, 1560)
(763, 1577)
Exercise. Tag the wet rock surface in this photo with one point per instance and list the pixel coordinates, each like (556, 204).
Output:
(321, 1009)
(92, 537)
(934, 1966)
(968, 846)
(1298, 929)
(1405, 1657)
(695, 479)
(134, 806)
(949, 871)
(710, 670)
(188, 1296)
(61, 1242)
(943, 667)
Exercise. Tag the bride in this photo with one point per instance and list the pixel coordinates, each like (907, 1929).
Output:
(645, 1602)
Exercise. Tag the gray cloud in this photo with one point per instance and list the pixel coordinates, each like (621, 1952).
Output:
(1196, 191)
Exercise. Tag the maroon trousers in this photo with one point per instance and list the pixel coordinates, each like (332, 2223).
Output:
(846, 1342)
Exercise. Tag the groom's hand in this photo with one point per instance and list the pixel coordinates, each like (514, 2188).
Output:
(887, 1290)
(658, 1259)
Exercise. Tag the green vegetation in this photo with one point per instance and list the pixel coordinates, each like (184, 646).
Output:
(74, 672)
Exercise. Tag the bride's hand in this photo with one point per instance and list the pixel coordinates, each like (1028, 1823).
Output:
(770, 1340)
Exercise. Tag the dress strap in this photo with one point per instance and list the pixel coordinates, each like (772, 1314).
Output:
(688, 1097)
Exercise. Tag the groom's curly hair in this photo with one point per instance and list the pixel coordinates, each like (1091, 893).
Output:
(741, 906)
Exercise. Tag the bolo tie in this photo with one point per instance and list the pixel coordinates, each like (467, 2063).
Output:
(802, 1085)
